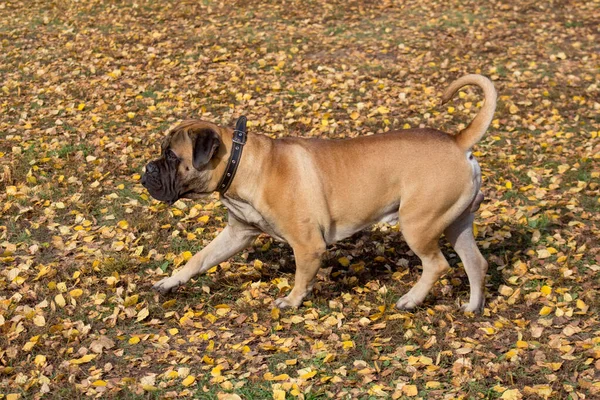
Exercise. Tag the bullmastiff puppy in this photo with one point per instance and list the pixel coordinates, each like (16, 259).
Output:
(314, 192)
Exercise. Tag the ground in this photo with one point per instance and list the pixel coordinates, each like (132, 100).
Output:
(89, 88)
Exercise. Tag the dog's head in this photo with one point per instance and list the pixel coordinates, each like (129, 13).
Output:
(185, 169)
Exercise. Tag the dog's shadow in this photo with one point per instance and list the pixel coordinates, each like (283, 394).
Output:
(377, 254)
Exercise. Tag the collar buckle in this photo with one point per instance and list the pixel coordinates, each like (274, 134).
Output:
(239, 137)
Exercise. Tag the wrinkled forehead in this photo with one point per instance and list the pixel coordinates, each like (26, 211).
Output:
(178, 141)
(164, 145)
(179, 138)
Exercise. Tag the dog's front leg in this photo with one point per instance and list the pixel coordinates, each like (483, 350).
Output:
(308, 260)
(235, 237)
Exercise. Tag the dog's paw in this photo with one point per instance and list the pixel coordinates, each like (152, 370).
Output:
(285, 302)
(474, 308)
(406, 302)
(166, 285)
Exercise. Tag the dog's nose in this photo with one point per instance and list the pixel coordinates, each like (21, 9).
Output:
(151, 168)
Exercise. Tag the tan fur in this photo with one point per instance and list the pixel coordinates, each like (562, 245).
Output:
(311, 192)
(474, 132)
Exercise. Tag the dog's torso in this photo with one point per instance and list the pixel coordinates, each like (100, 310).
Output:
(344, 186)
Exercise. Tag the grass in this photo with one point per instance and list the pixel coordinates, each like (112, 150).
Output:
(192, 61)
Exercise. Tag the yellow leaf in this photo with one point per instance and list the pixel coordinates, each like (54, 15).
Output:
(546, 310)
(142, 314)
(546, 290)
(511, 353)
(172, 375)
(488, 330)
(512, 394)
(383, 110)
(354, 115)
(410, 390)
(278, 394)
(39, 320)
(508, 184)
(123, 224)
(521, 344)
(40, 360)
(186, 255)
(344, 262)
(203, 219)
(268, 376)
(227, 396)
(169, 303)
(308, 375)
(451, 110)
(348, 344)
(207, 360)
(130, 300)
(433, 385)
(216, 371)
(275, 313)
(188, 381)
(76, 292)
(134, 340)
(581, 305)
(212, 318)
(85, 359)
(99, 382)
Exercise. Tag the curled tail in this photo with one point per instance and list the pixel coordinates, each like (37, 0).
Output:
(474, 132)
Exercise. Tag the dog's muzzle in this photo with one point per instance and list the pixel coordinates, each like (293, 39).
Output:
(153, 181)
(151, 177)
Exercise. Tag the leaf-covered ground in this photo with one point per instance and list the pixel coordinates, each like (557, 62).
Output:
(89, 88)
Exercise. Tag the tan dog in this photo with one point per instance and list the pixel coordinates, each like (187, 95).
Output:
(312, 192)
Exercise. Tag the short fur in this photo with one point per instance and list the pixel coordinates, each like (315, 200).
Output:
(314, 192)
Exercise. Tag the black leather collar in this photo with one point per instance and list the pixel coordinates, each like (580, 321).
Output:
(239, 140)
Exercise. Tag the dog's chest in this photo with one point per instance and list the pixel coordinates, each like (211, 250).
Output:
(244, 212)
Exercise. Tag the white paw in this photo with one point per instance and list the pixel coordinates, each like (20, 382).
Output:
(474, 308)
(166, 285)
(284, 302)
(406, 302)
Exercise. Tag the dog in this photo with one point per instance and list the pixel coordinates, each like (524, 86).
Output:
(314, 192)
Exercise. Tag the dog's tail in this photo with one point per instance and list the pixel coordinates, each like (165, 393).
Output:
(474, 132)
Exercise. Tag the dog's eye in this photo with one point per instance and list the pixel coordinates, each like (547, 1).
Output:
(171, 156)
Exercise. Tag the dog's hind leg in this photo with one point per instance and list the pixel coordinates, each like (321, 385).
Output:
(422, 238)
(460, 235)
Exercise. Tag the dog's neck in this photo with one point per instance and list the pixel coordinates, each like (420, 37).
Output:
(246, 180)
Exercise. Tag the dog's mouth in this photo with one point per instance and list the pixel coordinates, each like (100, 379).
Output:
(190, 194)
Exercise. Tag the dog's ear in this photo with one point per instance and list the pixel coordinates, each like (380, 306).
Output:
(206, 142)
